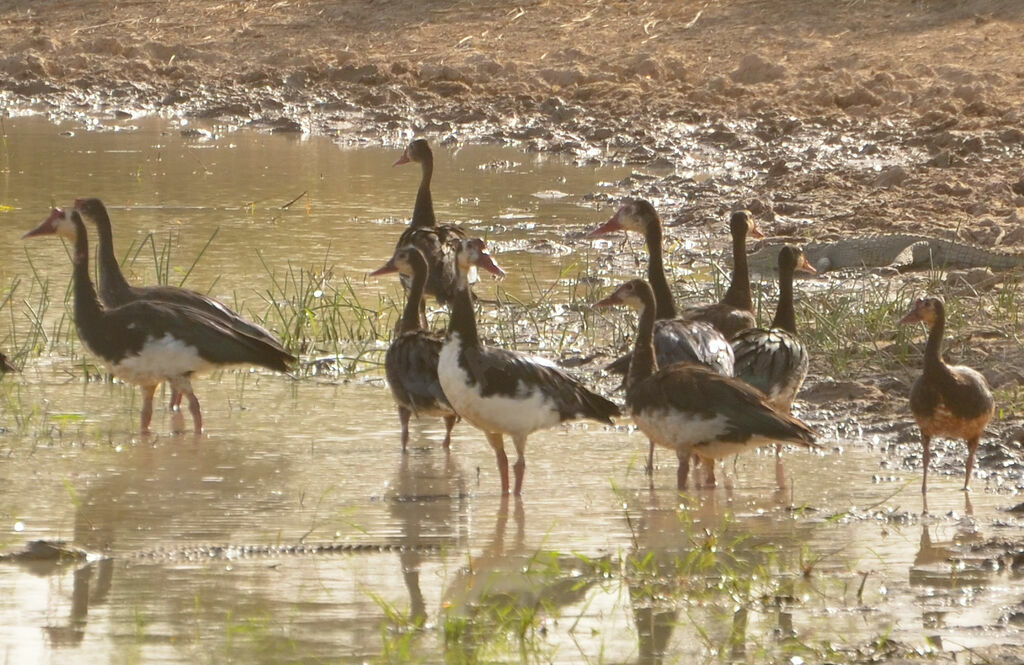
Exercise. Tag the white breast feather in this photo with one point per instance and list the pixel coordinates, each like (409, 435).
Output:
(160, 359)
(527, 412)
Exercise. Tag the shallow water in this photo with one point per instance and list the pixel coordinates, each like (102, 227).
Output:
(591, 564)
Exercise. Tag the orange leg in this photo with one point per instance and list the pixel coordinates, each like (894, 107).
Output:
(520, 466)
(449, 423)
(147, 407)
(926, 442)
(972, 448)
(498, 444)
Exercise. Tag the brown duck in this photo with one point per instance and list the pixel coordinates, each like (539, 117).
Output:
(947, 400)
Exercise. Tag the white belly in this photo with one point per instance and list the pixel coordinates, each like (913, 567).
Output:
(684, 432)
(160, 359)
(528, 411)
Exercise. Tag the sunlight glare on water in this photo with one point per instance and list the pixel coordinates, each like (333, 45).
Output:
(203, 537)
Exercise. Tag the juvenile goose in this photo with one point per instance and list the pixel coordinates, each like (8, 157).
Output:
(775, 361)
(504, 392)
(146, 342)
(411, 361)
(689, 408)
(116, 291)
(438, 243)
(675, 340)
(947, 400)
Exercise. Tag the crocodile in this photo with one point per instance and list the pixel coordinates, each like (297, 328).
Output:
(60, 552)
(902, 251)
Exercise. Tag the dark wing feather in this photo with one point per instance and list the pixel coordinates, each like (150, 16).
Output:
(127, 328)
(207, 305)
(699, 391)
(773, 361)
(506, 373)
(726, 319)
(677, 340)
(411, 368)
(439, 245)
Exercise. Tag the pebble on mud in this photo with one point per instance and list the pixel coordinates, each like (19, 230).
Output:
(754, 68)
(891, 177)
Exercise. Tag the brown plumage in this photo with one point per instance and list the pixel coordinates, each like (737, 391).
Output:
(947, 400)
(735, 312)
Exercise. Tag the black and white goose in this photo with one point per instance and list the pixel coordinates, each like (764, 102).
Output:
(689, 408)
(947, 400)
(411, 361)
(774, 360)
(675, 339)
(504, 392)
(147, 342)
(115, 290)
(438, 243)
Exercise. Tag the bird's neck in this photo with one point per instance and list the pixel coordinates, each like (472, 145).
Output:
(738, 294)
(87, 304)
(643, 364)
(933, 364)
(113, 285)
(463, 319)
(666, 308)
(785, 317)
(411, 313)
(423, 212)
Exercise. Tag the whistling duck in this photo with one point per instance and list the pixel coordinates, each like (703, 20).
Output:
(691, 409)
(775, 361)
(504, 392)
(946, 400)
(675, 339)
(5, 364)
(411, 360)
(116, 291)
(735, 312)
(146, 342)
(438, 243)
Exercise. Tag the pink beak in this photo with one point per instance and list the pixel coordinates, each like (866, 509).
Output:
(386, 268)
(610, 226)
(49, 225)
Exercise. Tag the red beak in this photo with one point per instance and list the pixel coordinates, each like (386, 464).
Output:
(404, 159)
(386, 268)
(610, 226)
(807, 267)
(487, 263)
(49, 225)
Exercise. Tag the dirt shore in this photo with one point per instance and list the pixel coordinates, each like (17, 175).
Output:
(856, 115)
(827, 119)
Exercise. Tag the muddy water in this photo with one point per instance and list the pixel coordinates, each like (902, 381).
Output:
(591, 564)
